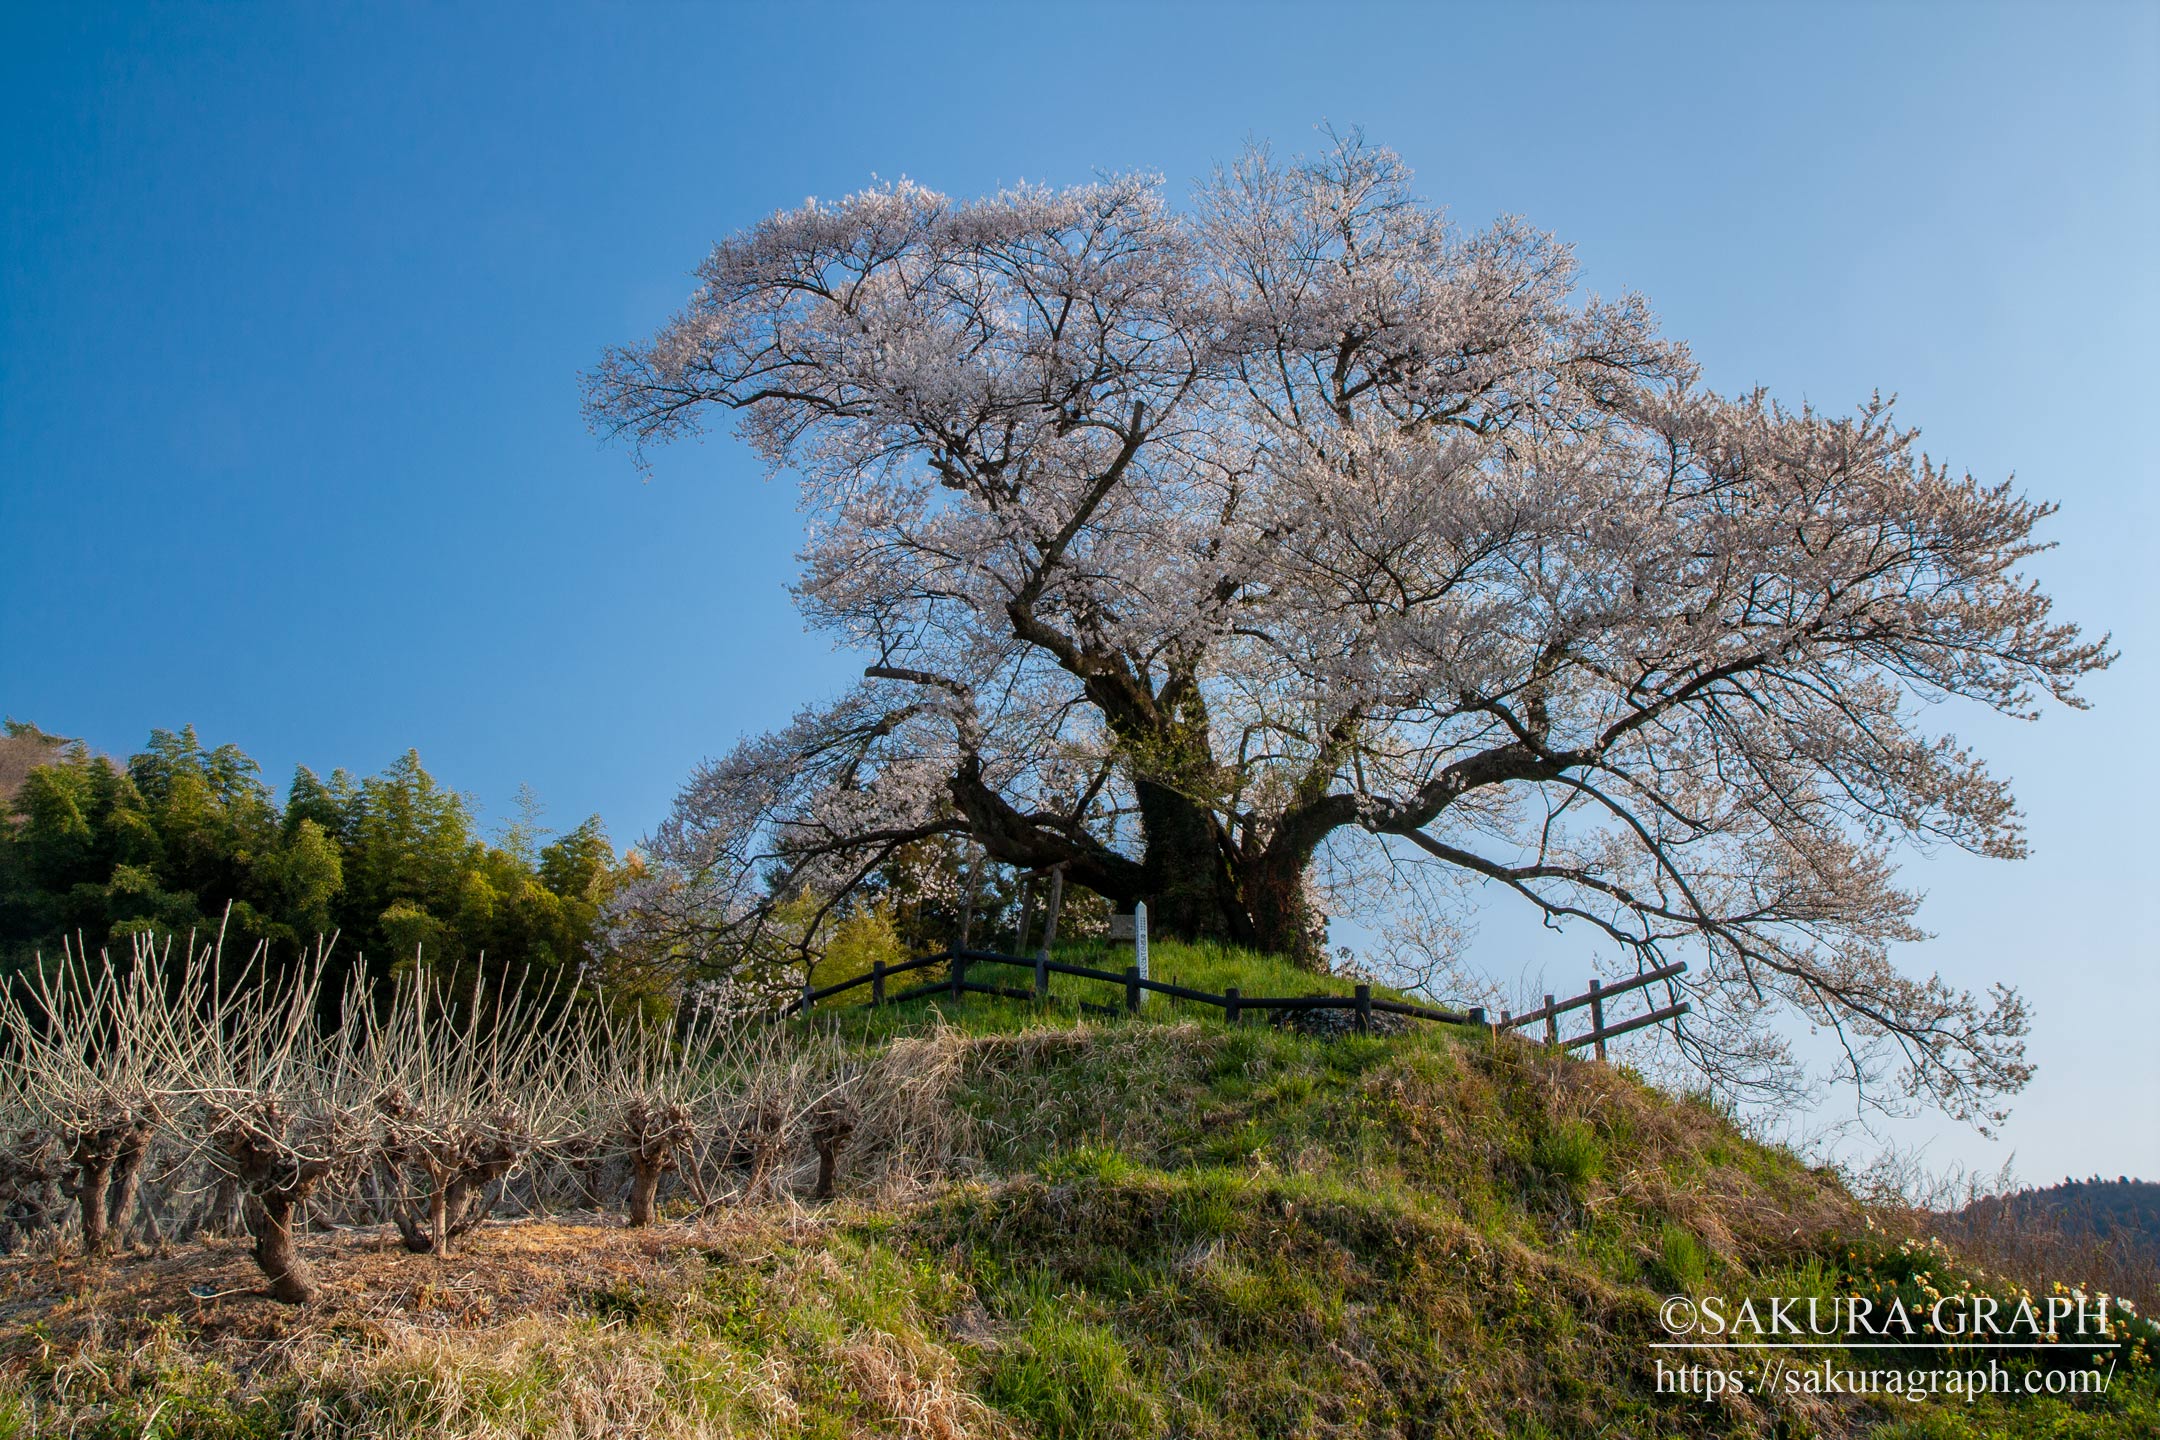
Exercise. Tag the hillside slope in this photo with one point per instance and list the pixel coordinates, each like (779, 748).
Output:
(1152, 1226)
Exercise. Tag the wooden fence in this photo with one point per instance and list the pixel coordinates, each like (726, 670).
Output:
(1595, 997)
(1362, 1003)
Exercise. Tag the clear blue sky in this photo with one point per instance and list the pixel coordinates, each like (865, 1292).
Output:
(293, 301)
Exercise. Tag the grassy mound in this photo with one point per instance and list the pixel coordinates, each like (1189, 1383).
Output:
(1148, 1226)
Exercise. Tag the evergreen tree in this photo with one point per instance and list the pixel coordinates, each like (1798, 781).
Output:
(188, 837)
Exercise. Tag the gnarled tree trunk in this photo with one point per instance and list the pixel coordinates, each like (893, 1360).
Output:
(830, 1128)
(1187, 880)
(466, 1201)
(270, 1220)
(1281, 914)
(647, 1168)
(127, 1170)
(93, 1158)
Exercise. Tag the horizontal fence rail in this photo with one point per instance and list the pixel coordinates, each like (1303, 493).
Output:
(1595, 997)
(1361, 1003)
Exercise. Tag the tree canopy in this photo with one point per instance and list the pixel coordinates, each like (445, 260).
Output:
(1291, 536)
(187, 837)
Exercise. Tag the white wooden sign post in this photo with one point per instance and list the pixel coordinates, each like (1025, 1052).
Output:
(1139, 942)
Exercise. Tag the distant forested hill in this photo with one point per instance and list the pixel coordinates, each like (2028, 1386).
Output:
(2118, 1209)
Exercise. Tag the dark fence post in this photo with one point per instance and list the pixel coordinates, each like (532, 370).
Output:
(1132, 989)
(877, 982)
(959, 976)
(1364, 1009)
(1042, 977)
(1477, 1015)
(1552, 1022)
(1230, 1005)
(807, 987)
(1597, 1016)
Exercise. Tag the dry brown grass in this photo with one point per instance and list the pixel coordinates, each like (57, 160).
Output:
(909, 1131)
(215, 1292)
(402, 1342)
(1676, 1159)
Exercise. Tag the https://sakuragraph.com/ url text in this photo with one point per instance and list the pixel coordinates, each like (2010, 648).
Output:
(1961, 1346)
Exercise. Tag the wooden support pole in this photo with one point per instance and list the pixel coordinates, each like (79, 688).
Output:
(877, 982)
(959, 977)
(1230, 1005)
(1132, 989)
(1027, 913)
(807, 987)
(974, 888)
(1597, 1016)
(1057, 903)
(1364, 1009)
(1042, 977)
(1552, 1023)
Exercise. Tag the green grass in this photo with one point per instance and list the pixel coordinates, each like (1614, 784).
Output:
(1209, 967)
(1063, 1375)
(1681, 1263)
(1570, 1153)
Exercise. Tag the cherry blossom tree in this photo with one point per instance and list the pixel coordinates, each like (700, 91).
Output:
(1191, 545)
